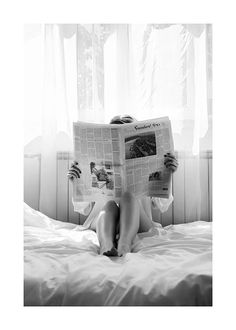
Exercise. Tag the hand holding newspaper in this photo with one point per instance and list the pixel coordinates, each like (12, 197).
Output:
(116, 158)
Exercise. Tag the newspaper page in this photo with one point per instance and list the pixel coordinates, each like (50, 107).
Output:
(97, 149)
(145, 144)
(118, 158)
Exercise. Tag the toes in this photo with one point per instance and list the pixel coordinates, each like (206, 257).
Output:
(111, 253)
(123, 249)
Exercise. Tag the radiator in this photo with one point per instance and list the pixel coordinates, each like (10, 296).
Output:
(188, 205)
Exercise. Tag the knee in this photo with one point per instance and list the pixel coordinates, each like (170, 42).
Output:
(111, 207)
(128, 197)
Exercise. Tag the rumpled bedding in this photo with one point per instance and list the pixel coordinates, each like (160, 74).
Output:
(169, 266)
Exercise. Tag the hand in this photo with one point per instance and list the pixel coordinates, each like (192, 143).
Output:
(170, 162)
(74, 171)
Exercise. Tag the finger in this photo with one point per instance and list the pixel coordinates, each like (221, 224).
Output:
(76, 168)
(74, 173)
(77, 171)
(71, 176)
(75, 164)
(172, 168)
(171, 161)
(167, 159)
(169, 155)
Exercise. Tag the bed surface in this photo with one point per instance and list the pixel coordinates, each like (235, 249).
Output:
(172, 266)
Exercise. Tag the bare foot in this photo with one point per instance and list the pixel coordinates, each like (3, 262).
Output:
(123, 249)
(109, 252)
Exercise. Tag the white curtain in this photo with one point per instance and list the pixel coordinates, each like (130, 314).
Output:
(95, 71)
(51, 101)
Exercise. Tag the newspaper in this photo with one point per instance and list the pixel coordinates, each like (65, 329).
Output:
(116, 158)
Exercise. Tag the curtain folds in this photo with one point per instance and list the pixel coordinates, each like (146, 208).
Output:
(147, 70)
(93, 72)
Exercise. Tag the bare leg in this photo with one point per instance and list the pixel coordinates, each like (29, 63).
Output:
(145, 221)
(106, 228)
(129, 222)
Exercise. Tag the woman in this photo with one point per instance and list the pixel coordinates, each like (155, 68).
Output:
(117, 224)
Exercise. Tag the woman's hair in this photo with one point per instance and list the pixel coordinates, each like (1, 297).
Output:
(126, 119)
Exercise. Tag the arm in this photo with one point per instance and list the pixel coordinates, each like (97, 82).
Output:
(80, 207)
(163, 204)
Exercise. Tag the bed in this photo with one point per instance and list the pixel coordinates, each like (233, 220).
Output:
(63, 268)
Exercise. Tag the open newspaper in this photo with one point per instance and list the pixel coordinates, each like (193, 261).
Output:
(118, 158)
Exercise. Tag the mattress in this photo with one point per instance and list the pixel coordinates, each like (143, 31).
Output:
(171, 266)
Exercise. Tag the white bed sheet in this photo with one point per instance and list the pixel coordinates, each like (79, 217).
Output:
(172, 266)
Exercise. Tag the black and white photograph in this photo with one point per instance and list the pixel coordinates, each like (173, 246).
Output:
(140, 256)
(141, 145)
(138, 249)
(102, 176)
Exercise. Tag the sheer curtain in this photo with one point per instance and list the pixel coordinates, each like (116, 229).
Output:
(50, 101)
(148, 71)
(92, 72)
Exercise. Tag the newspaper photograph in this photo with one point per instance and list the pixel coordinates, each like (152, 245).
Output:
(116, 158)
